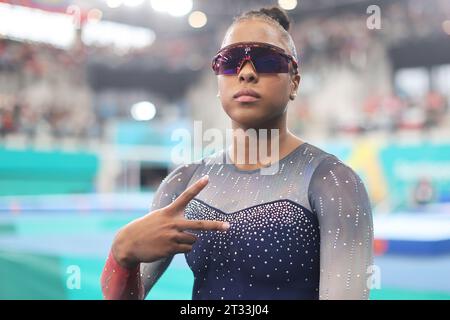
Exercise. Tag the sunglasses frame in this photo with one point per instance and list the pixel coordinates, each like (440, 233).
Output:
(250, 45)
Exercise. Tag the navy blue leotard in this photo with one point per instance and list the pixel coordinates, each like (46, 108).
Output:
(304, 232)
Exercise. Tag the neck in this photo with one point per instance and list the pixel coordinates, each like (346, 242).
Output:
(258, 146)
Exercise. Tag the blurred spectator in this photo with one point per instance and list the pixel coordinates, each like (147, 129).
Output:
(435, 108)
(45, 87)
(42, 85)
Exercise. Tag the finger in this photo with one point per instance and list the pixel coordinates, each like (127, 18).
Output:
(185, 238)
(205, 225)
(183, 248)
(183, 199)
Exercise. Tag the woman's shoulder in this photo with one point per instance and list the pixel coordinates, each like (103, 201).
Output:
(330, 170)
(181, 174)
(325, 165)
(309, 157)
(315, 152)
(184, 171)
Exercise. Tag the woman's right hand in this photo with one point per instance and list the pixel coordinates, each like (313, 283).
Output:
(161, 233)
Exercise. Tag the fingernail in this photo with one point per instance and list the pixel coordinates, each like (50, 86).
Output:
(205, 178)
(226, 225)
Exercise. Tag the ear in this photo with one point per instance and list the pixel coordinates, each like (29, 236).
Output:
(295, 82)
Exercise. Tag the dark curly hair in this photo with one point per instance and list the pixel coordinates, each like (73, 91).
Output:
(275, 13)
(275, 16)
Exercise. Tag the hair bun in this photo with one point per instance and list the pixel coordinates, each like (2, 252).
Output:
(279, 15)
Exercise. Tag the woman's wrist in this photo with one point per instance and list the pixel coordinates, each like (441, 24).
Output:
(122, 253)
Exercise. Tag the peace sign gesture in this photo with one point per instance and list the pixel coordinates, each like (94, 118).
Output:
(162, 233)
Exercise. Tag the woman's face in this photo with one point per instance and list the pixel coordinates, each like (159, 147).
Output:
(274, 89)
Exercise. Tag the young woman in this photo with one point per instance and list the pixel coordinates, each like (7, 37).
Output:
(304, 232)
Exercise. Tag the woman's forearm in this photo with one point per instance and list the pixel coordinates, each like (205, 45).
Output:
(121, 283)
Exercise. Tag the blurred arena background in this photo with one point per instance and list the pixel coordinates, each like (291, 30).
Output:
(91, 91)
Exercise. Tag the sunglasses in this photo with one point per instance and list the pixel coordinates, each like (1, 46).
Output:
(266, 58)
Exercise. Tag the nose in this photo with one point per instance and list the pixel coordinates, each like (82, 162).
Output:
(248, 73)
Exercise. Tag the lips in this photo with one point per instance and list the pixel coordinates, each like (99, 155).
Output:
(246, 95)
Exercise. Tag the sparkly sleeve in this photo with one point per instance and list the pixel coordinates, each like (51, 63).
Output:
(118, 282)
(339, 199)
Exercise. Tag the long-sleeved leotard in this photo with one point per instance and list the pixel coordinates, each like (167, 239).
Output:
(304, 232)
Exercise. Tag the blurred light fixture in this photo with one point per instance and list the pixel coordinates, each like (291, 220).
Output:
(133, 3)
(197, 19)
(176, 8)
(159, 5)
(287, 4)
(94, 15)
(121, 36)
(114, 3)
(143, 111)
(179, 8)
(446, 26)
(22, 23)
